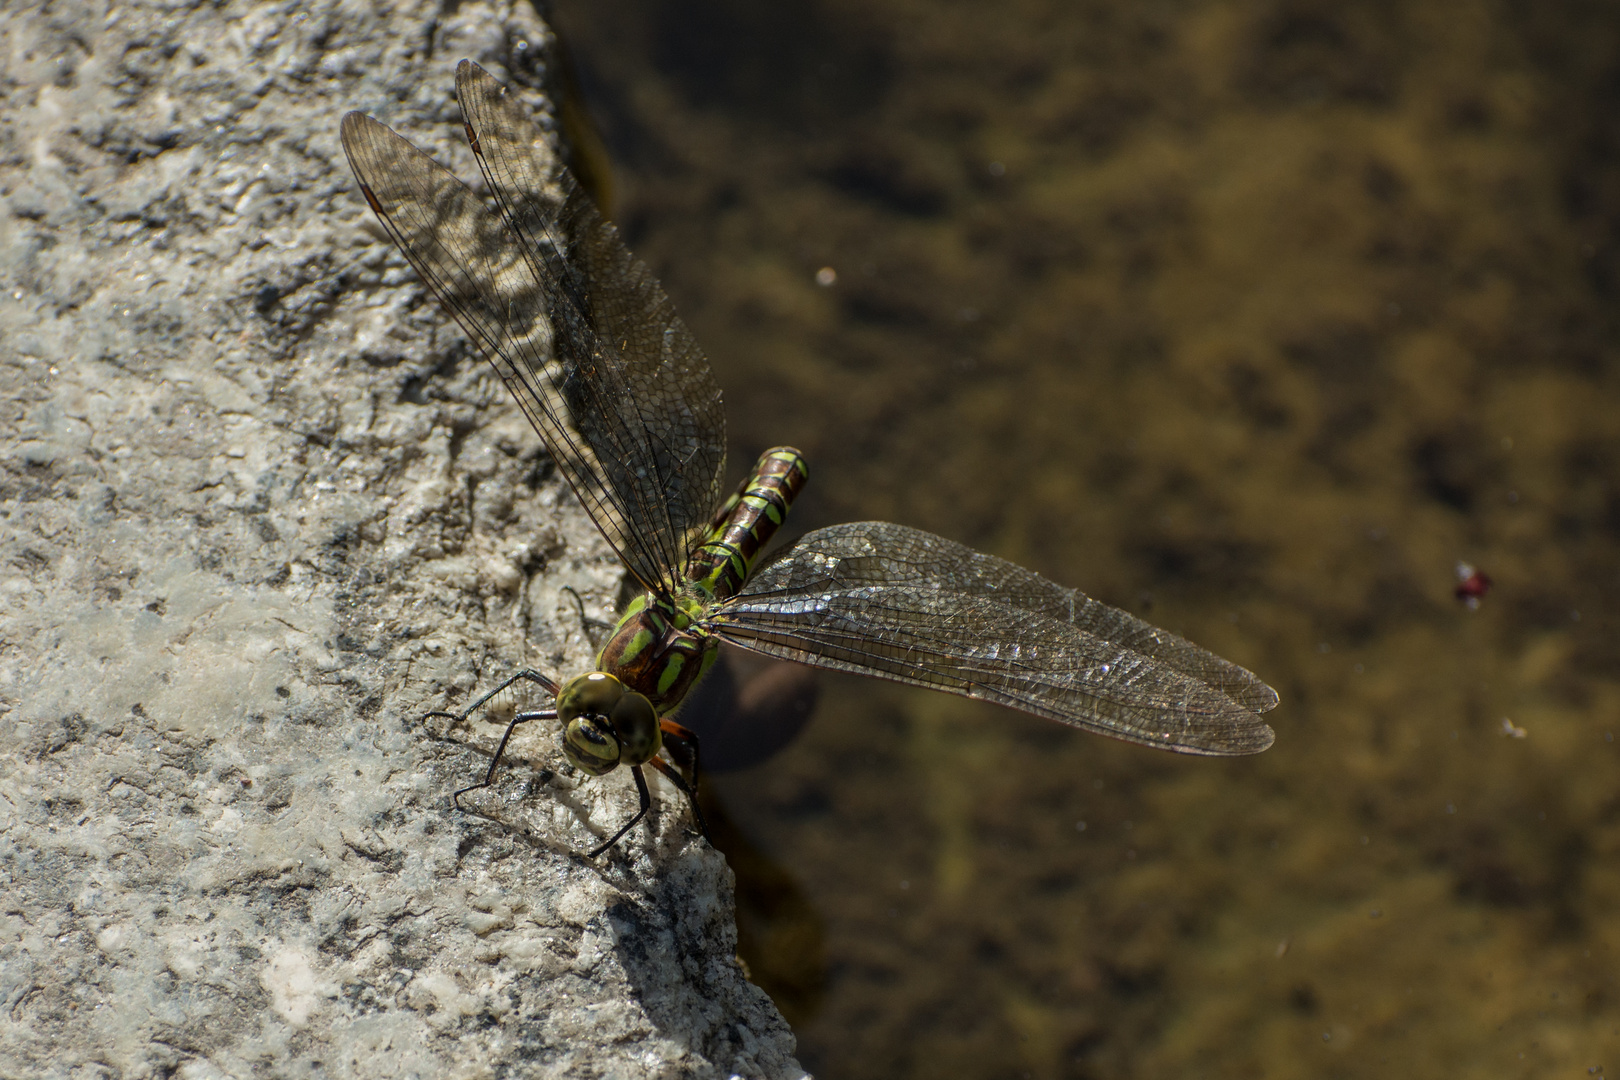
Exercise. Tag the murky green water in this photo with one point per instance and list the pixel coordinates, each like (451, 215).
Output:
(1255, 319)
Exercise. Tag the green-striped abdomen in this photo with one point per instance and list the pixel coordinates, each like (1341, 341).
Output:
(746, 521)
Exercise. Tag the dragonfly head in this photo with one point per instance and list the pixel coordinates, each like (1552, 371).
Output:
(605, 725)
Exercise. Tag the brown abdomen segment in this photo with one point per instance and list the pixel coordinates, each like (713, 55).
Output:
(747, 520)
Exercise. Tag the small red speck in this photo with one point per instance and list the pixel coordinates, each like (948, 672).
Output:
(1472, 584)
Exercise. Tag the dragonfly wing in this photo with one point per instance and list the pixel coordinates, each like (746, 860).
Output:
(639, 386)
(906, 605)
(896, 554)
(578, 330)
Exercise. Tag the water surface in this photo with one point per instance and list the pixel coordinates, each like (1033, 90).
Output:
(1255, 319)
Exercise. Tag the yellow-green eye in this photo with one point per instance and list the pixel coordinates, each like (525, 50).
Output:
(605, 725)
(593, 694)
(589, 747)
(635, 724)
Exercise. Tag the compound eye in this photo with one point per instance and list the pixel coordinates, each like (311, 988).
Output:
(589, 747)
(635, 724)
(593, 694)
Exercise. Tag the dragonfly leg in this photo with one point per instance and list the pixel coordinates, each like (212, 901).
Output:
(494, 762)
(526, 675)
(689, 790)
(682, 742)
(646, 801)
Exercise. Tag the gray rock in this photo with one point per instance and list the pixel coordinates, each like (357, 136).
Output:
(261, 508)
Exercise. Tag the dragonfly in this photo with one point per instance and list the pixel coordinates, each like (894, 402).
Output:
(622, 396)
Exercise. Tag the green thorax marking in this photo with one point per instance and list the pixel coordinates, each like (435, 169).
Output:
(660, 647)
(746, 521)
(658, 650)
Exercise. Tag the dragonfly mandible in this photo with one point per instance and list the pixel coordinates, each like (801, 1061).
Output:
(622, 396)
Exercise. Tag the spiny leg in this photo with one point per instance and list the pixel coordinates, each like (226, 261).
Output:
(526, 675)
(682, 743)
(689, 790)
(494, 762)
(646, 801)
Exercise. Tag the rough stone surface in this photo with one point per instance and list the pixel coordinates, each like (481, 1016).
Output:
(260, 509)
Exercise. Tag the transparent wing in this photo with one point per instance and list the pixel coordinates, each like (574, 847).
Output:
(579, 331)
(901, 604)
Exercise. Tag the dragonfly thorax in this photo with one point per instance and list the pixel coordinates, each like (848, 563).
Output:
(658, 649)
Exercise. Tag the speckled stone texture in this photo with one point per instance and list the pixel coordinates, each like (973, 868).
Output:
(261, 508)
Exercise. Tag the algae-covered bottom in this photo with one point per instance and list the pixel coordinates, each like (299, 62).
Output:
(1256, 319)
